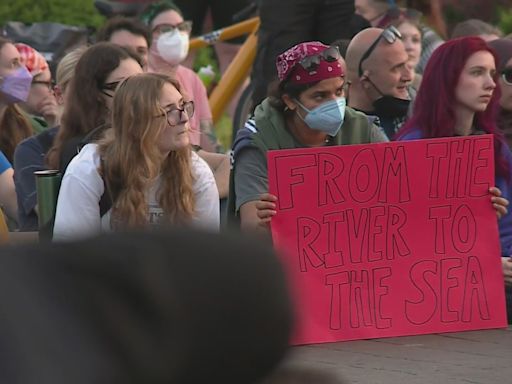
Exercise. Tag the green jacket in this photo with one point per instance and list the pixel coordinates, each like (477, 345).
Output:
(271, 134)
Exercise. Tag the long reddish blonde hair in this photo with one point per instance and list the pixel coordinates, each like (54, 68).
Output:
(132, 161)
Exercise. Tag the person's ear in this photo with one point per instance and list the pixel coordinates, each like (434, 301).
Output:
(364, 79)
(289, 102)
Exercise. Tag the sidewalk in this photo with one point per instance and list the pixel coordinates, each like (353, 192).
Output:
(476, 357)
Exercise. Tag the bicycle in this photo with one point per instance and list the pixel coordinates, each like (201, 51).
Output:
(237, 71)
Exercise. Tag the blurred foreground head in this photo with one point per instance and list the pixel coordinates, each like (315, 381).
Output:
(175, 307)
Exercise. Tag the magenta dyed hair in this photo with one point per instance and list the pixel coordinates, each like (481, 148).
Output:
(434, 112)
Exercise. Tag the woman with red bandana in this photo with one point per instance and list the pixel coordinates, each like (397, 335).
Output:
(307, 109)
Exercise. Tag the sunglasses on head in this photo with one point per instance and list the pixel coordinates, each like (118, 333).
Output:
(390, 35)
(506, 75)
(311, 63)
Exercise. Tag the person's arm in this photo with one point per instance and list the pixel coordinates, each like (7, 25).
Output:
(258, 213)
(251, 183)
(8, 198)
(208, 139)
(28, 158)
(220, 166)
(207, 208)
(78, 209)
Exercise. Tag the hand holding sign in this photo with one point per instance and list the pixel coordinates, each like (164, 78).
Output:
(389, 239)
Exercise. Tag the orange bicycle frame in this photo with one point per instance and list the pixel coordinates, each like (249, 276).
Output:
(239, 68)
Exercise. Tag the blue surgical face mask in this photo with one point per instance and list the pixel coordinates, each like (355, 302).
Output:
(327, 117)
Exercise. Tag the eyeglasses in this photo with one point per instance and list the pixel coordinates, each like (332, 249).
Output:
(110, 87)
(390, 34)
(311, 63)
(185, 26)
(175, 115)
(48, 84)
(506, 75)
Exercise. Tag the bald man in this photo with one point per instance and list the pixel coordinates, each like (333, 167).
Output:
(379, 76)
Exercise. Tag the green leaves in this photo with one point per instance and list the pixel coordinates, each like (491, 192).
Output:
(72, 12)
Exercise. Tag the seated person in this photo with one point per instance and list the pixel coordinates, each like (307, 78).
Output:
(30, 154)
(128, 33)
(307, 109)
(41, 103)
(144, 164)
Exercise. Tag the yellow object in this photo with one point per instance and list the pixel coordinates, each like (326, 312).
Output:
(4, 230)
(239, 68)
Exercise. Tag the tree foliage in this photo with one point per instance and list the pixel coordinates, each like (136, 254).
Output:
(72, 12)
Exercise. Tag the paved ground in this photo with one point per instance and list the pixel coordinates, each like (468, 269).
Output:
(477, 357)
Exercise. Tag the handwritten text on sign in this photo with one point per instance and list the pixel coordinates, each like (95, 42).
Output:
(389, 239)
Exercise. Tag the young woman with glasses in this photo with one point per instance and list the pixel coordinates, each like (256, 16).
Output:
(145, 163)
(41, 102)
(306, 109)
(89, 99)
(458, 97)
(169, 48)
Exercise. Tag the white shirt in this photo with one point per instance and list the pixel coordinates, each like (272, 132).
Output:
(78, 210)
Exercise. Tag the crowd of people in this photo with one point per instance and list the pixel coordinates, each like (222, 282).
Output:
(128, 124)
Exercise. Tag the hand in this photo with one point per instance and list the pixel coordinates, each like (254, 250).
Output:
(50, 110)
(499, 203)
(266, 209)
(506, 264)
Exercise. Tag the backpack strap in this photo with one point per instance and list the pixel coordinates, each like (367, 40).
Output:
(106, 198)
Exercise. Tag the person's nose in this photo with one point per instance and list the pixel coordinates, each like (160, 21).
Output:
(490, 83)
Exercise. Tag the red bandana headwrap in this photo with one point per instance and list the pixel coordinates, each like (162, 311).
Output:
(32, 59)
(288, 64)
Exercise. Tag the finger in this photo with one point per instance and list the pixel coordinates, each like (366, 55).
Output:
(268, 197)
(500, 200)
(495, 191)
(500, 210)
(263, 214)
(265, 205)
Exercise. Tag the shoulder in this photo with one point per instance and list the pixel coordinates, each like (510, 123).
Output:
(199, 166)
(188, 77)
(411, 134)
(203, 175)
(4, 163)
(244, 136)
(86, 162)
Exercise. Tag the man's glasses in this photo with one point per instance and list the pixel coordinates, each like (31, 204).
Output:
(185, 26)
(390, 34)
(175, 115)
(506, 75)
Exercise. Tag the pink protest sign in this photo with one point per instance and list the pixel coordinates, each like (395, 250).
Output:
(389, 239)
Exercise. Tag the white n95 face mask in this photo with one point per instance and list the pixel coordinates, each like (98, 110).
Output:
(173, 46)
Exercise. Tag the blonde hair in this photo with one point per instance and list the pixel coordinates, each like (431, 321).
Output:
(66, 67)
(132, 162)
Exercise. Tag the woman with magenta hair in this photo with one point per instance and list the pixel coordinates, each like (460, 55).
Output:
(459, 97)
